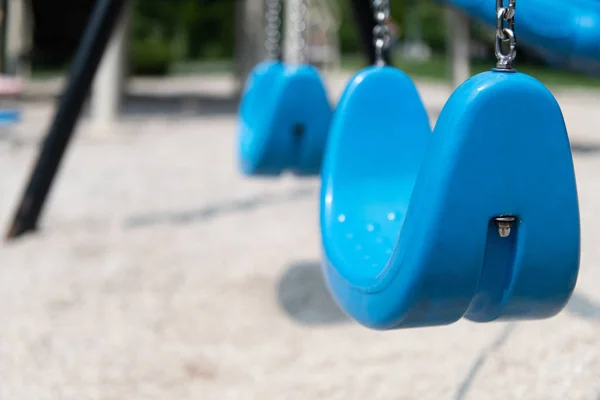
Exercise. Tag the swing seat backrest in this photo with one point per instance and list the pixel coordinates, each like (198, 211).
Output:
(286, 125)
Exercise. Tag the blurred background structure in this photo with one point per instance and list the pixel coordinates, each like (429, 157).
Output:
(158, 38)
(161, 38)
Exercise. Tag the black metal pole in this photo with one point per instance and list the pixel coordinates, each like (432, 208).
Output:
(100, 28)
(365, 20)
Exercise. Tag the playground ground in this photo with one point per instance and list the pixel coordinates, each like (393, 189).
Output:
(160, 273)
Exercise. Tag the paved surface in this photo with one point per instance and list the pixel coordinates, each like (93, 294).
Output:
(160, 273)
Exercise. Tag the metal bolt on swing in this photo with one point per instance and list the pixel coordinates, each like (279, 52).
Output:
(504, 225)
(505, 32)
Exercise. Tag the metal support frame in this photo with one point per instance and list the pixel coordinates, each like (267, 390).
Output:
(89, 54)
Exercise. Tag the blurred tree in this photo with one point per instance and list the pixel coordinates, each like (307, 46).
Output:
(193, 29)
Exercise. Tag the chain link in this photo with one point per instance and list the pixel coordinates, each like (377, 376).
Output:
(299, 12)
(273, 17)
(381, 33)
(505, 32)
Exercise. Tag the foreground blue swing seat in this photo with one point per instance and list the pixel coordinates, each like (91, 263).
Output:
(283, 120)
(408, 216)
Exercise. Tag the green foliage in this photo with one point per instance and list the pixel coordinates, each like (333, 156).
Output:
(348, 35)
(151, 56)
(188, 28)
(204, 30)
(434, 28)
(430, 14)
(169, 31)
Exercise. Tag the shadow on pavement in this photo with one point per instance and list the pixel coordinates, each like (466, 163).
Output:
(184, 217)
(177, 105)
(585, 148)
(582, 307)
(303, 294)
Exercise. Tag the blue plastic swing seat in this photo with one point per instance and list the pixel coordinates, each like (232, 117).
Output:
(407, 216)
(283, 120)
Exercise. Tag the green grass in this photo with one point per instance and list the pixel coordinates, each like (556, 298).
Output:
(437, 69)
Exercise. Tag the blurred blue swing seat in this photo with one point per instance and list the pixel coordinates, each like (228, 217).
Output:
(408, 217)
(563, 32)
(283, 120)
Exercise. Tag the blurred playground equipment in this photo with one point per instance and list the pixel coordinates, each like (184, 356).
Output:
(565, 33)
(281, 96)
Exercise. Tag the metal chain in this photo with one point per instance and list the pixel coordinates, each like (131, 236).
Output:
(299, 12)
(505, 32)
(381, 33)
(273, 17)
